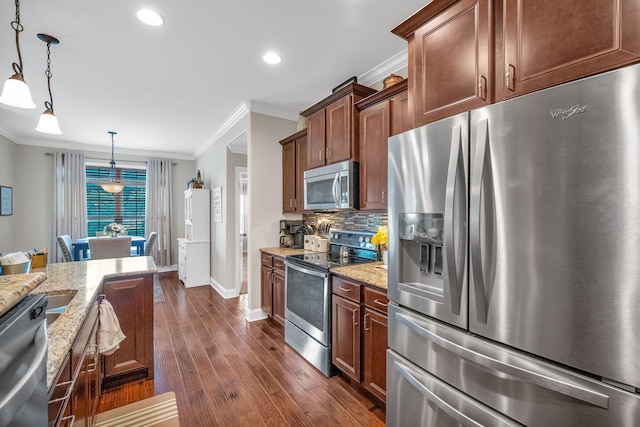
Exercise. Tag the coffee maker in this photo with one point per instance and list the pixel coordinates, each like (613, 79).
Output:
(290, 235)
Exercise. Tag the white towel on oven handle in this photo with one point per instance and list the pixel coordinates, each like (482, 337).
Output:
(109, 335)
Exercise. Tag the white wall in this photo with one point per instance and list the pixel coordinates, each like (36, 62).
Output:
(217, 164)
(264, 195)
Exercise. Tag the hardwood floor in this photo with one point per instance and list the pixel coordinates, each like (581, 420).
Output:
(226, 371)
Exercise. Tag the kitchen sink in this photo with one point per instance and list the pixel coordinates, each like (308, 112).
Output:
(56, 305)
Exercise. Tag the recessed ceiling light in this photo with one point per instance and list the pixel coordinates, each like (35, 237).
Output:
(150, 17)
(271, 58)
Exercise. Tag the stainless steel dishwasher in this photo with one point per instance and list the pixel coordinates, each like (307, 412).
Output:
(23, 364)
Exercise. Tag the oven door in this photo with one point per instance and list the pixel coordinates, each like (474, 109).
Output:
(308, 301)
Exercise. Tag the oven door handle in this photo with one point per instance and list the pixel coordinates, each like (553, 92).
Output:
(306, 270)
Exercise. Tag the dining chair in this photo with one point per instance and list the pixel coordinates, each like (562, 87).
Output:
(65, 244)
(110, 247)
(151, 240)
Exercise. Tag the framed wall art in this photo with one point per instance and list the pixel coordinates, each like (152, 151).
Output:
(217, 204)
(6, 201)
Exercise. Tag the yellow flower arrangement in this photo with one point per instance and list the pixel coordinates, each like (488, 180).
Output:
(381, 238)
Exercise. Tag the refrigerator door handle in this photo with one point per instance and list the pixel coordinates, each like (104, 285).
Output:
(455, 178)
(438, 401)
(556, 383)
(477, 175)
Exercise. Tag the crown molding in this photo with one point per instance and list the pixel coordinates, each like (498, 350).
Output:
(237, 115)
(392, 65)
(274, 111)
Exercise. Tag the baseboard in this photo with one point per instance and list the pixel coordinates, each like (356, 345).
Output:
(224, 292)
(165, 268)
(255, 314)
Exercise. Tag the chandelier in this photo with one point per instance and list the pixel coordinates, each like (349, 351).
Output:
(112, 184)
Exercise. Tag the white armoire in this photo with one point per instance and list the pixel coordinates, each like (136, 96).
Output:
(194, 249)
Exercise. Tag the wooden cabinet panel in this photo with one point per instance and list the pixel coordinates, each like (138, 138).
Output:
(272, 275)
(374, 136)
(132, 300)
(289, 177)
(346, 289)
(375, 353)
(266, 289)
(376, 300)
(450, 58)
(294, 163)
(278, 295)
(345, 351)
(332, 126)
(452, 61)
(548, 42)
(339, 143)
(401, 115)
(301, 166)
(316, 139)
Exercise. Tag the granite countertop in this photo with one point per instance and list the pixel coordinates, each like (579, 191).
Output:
(15, 286)
(283, 252)
(370, 273)
(84, 279)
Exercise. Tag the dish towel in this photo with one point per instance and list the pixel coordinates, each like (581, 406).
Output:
(109, 335)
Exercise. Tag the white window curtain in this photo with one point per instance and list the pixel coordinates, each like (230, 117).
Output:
(158, 209)
(69, 200)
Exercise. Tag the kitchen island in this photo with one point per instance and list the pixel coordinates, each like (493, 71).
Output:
(84, 279)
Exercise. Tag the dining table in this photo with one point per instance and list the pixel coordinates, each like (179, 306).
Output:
(81, 246)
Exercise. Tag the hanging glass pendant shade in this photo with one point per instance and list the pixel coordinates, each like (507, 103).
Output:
(15, 91)
(112, 183)
(48, 121)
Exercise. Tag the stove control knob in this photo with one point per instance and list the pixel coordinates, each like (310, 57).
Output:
(368, 239)
(336, 236)
(361, 239)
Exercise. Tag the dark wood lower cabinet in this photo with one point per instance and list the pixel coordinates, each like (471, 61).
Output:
(73, 400)
(375, 353)
(359, 334)
(272, 273)
(132, 300)
(345, 345)
(278, 295)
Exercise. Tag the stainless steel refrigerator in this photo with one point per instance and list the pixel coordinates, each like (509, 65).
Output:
(514, 262)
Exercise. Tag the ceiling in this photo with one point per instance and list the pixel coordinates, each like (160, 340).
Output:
(170, 90)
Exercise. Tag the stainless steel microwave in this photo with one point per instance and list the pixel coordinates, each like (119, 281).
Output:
(332, 187)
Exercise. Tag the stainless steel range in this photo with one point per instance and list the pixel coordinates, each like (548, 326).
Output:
(307, 326)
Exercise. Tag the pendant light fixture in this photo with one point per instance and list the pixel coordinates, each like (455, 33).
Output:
(48, 121)
(112, 185)
(15, 92)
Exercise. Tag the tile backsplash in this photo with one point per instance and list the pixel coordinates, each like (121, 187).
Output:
(357, 221)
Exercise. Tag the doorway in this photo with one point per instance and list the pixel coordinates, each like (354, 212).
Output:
(242, 189)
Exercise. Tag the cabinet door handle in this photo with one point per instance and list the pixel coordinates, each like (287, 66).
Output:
(384, 197)
(66, 396)
(366, 316)
(377, 301)
(511, 77)
(482, 88)
(72, 421)
(344, 289)
(353, 315)
(329, 153)
(320, 155)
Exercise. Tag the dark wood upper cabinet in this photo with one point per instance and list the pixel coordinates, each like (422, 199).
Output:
(450, 58)
(294, 163)
(548, 42)
(332, 126)
(316, 139)
(378, 114)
